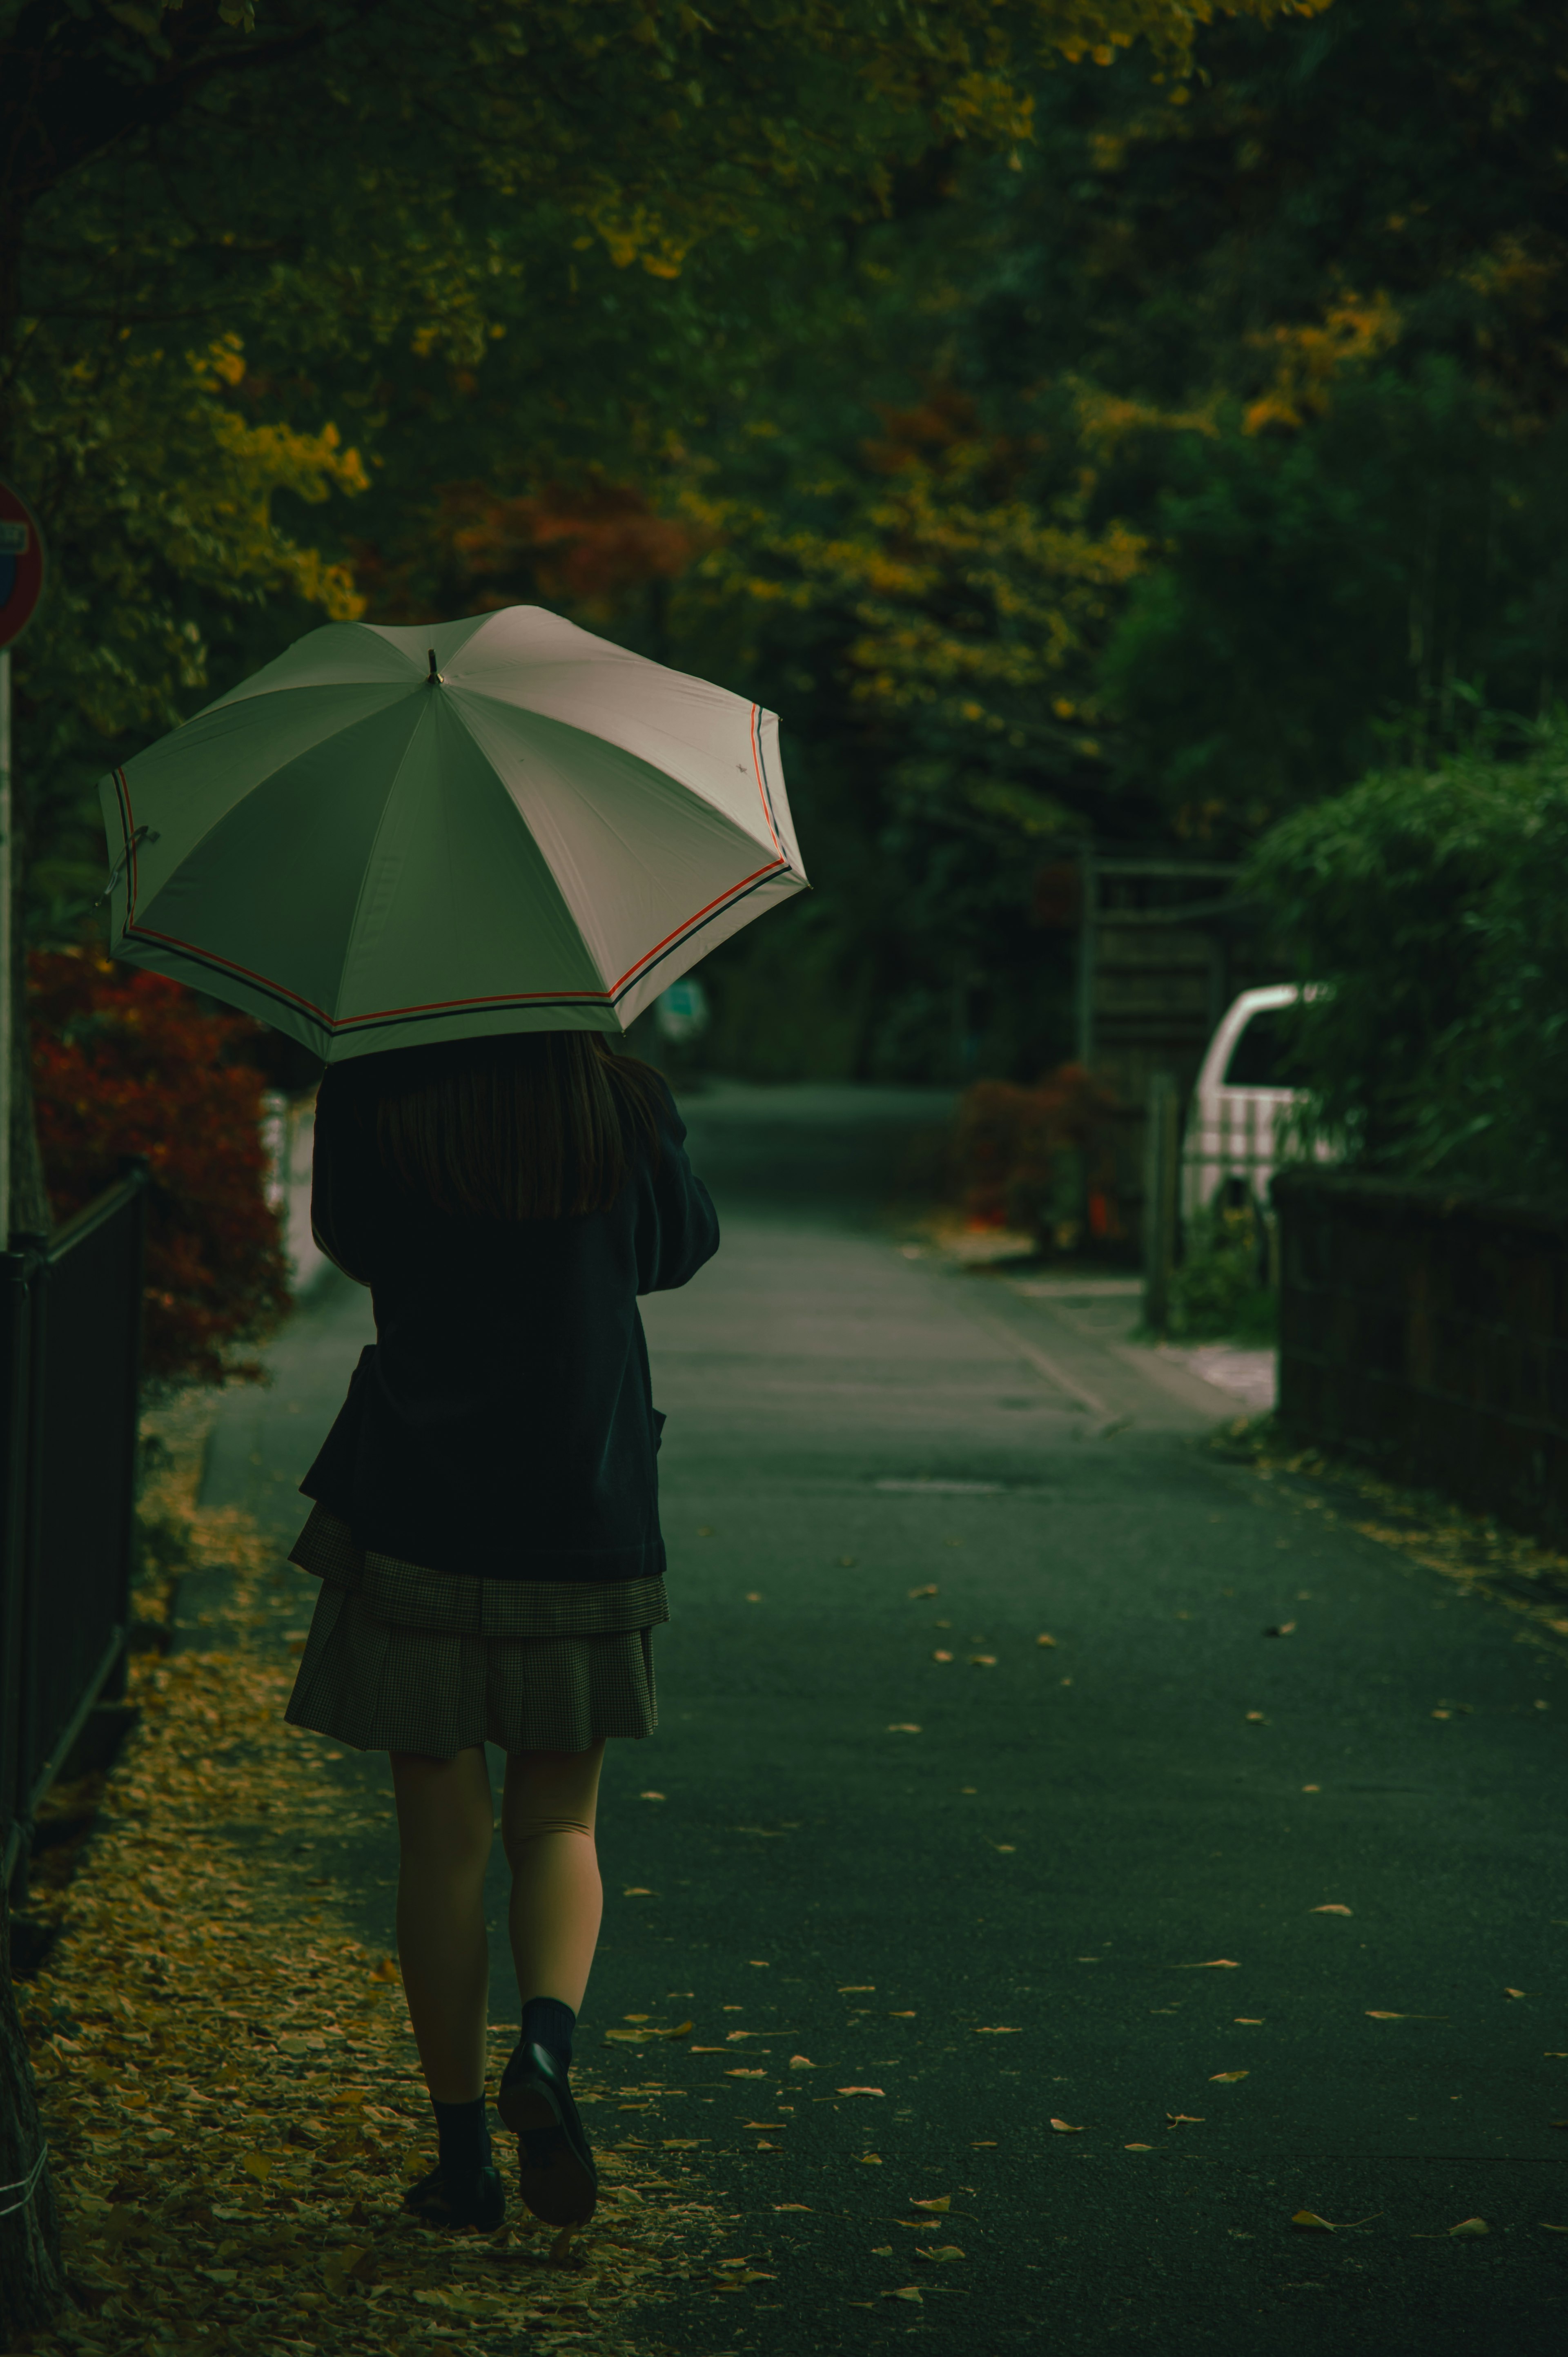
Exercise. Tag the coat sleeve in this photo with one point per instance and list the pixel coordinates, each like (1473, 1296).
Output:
(336, 1191)
(678, 1228)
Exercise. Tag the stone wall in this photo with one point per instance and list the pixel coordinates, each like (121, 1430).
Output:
(1424, 1330)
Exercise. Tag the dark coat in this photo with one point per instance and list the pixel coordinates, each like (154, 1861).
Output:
(502, 1423)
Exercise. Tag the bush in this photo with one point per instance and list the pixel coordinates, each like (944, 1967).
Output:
(1039, 1159)
(1217, 1289)
(1428, 903)
(126, 1063)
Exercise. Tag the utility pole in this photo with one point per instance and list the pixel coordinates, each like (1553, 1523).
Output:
(21, 586)
(1160, 1144)
(1088, 922)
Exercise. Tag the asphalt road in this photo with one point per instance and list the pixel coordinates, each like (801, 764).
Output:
(1128, 1946)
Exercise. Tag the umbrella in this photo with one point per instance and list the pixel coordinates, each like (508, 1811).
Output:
(391, 836)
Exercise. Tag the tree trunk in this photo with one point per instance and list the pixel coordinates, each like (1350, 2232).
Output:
(32, 2291)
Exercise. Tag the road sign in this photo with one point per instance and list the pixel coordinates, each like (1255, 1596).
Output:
(21, 566)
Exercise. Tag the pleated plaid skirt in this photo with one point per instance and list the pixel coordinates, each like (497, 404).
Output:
(400, 1658)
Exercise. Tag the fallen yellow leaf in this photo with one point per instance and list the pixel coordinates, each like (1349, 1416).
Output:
(1256, 1719)
(857, 1988)
(939, 1655)
(1212, 1965)
(1332, 1907)
(858, 2091)
(902, 1727)
(1508, 1992)
(1249, 2020)
(1043, 1639)
(791, 2205)
(1470, 2226)
(933, 2201)
(637, 1892)
(982, 1661)
(1137, 2148)
(1001, 2030)
(939, 2251)
(800, 2062)
(1177, 2119)
(1312, 2222)
(1066, 2127)
(908, 2291)
(1228, 2077)
(929, 1589)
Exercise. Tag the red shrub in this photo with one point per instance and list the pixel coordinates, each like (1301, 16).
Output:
(1040, 1161)
(124, 1062)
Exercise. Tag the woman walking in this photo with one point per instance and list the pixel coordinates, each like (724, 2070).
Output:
(486, 1531)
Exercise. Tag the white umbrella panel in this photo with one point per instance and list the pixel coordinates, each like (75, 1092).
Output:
(393, 836)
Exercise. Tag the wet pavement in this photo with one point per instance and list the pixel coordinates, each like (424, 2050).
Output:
(1036, 1984)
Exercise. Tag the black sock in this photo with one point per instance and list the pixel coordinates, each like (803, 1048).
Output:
(463, 2135)
(547, 2022)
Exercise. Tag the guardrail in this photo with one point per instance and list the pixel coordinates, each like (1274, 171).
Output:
(70, 1328)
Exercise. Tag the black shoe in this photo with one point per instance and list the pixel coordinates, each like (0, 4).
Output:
(455, 2197)
(555, 2167)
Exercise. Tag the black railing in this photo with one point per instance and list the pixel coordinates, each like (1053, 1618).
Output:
(70, 1327)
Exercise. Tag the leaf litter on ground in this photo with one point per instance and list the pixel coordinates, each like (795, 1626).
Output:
(225, 2073)
(1517, 1572)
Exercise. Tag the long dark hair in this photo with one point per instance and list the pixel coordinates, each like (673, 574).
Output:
(531, 1126)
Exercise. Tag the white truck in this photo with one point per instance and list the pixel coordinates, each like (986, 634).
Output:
(1239, 1104)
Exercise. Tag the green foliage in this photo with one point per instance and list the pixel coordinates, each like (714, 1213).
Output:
(1061, 441)
(1217, 1288)
(1427, 905)
(499, 249)
(158, 479)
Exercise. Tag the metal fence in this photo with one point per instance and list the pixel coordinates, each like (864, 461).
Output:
(71, 1326)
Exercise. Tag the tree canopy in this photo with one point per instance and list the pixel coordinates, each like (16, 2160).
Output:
(1104, 421)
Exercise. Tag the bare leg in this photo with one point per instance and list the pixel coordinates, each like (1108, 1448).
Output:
(444, 1818)
(547, 1826)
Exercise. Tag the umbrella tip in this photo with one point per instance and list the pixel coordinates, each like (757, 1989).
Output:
(434, 674)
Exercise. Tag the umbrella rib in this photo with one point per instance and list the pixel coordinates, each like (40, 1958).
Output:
(754, 725)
